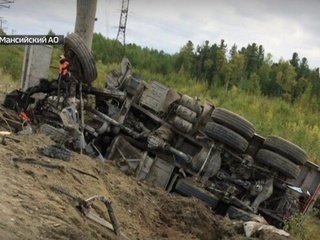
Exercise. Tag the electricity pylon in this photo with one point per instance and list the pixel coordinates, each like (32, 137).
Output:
(121, 36)
(5, 3)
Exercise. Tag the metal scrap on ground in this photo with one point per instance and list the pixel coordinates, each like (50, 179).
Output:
(170, 140)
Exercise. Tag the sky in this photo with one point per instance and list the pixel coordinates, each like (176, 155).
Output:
(282, 27)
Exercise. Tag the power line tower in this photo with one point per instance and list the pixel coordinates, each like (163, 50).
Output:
(5, 3)
(121, 36)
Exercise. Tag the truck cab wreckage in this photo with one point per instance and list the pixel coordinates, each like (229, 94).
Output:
(172, 141)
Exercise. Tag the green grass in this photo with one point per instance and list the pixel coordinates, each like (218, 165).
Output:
(299, 122)
(7, 83)
(304, 226)
(11, 58)
(275, 117)
(271, 116)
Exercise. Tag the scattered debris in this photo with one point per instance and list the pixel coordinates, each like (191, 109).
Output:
(142, 212)
(26, 129)
(55, 151)
(85, 173)
(36, 162)
(5, 133)
(166, 139)
(85, 206)
(5, 137)
(252, 228)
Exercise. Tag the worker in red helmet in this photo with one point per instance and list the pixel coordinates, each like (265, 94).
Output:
(63, 68)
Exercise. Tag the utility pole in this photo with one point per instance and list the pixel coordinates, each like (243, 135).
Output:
(121, 36)
(13, 31)
(2, 21)
(86, 16)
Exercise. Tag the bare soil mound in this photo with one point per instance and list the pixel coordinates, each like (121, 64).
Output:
(30, 209)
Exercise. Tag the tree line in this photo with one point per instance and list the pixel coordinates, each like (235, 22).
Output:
(248, 68)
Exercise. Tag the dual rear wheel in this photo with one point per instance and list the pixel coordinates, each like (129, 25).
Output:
(236, 132)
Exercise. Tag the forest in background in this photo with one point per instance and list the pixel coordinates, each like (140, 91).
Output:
(248, 68)
(281, 98)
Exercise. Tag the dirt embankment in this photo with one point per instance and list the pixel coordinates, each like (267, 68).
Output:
(30, 209)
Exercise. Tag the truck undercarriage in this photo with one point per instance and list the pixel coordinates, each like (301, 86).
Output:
(169, 140)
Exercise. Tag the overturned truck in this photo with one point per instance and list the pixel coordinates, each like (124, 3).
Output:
(172, 141)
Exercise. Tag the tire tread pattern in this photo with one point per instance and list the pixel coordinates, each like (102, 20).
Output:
(226, 136)
(278, 162)
(75, 43)
(286, 149)
(234, 122)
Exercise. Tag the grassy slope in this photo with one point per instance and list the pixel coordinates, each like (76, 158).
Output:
(7, 84)
(272, 116)
(298, 123)
(276, 117)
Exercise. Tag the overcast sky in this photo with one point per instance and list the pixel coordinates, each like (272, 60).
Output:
(281, 26)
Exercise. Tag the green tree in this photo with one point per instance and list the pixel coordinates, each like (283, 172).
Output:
(233, 52)
(254, 57)
(252, 85)
(51, 33)
(295, 60)
(201, 56)
(238, 69)
(303, 69)
(207, 66)
(2, 32)
(217, 58)
(185, 58)
(99, 44)
(286, 78)
(264, 73)
(315, 83)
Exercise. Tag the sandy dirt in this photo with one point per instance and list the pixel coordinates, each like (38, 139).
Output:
(31, 209)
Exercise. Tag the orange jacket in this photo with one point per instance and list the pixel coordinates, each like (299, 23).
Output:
(63, 69)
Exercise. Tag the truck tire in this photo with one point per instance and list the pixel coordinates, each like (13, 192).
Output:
(278, 162)
(286, 149)
(234, 122)
(226, 136)
(239, 214)
(84, 58)
(187, 189)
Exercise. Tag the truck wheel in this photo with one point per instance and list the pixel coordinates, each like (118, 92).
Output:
(226, 136)
(234, 122)
(286, 149)
(187, 189)
(79, 55)
(239, 214)
(278, 162)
